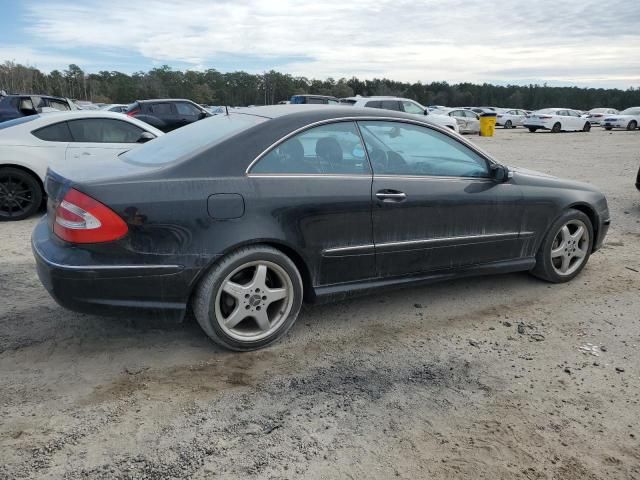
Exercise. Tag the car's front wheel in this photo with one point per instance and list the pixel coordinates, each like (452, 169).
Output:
(632, 125)
(566, 248)
(20, 194)
(508, 124)
(249, 299)
(587, 127)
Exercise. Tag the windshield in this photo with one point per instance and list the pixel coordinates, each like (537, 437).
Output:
(190, 139)
(631, 111)
(18, 121)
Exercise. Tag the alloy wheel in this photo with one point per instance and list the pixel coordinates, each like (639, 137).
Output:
(570, 247)
(254, 300)
(16, 196)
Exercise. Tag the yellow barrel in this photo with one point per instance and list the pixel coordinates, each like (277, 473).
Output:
(487, 124)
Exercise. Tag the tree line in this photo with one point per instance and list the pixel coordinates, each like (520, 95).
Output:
(211, 87)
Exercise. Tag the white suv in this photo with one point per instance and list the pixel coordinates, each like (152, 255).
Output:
(402, 105)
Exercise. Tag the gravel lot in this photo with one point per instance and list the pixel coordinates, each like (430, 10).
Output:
(481, 378)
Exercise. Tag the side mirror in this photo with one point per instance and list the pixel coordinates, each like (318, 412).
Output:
(203, 115)
(145, 137)
(426, 111)
(500, 173)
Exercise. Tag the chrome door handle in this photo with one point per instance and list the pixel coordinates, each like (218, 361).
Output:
(391, 196)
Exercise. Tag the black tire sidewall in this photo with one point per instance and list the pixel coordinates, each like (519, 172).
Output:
(544, 267)
(634, 123)
(556, 130)
(204, 304)
(36, 192)
(508, 124)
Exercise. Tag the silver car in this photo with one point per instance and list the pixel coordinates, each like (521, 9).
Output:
(468, 121)
(510, 118)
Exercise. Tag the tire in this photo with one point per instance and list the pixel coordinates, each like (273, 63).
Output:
(556, 128)
(632, 125)
(587, 127)
(556, 248)
(532, 129)
(20, 194)
(608, 128)
(232, 300)
(508, 124)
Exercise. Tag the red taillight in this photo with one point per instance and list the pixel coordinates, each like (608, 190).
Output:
(133, 113)
(81, 219)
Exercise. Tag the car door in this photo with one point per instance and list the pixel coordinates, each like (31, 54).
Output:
(318, 184)
(187, 113)
(435, 206)
(460, 117)
(167, 114)
(97, 139)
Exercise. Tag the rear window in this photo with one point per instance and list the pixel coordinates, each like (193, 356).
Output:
(191, 139)
(18, 121)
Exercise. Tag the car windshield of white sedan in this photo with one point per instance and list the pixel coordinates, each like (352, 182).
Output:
(628, 111)
(18, 121)
(404, 149)
(190, 139)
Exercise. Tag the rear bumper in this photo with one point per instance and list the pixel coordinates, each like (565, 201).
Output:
(83, 286)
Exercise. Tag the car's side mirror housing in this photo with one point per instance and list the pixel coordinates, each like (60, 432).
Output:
(500, 173)
(426, 111)
(145, 137)
(203, 115)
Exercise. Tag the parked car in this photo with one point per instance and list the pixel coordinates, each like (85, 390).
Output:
(557, 120)
(596, 115)
(115, 107)
(167, 114)
(318, 203)
(28, 145)
(314, 99)
(629, 119)
(407, 105)
(510, 118)
(468, 121)
(17, 106)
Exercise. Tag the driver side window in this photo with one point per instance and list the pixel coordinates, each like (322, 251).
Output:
(397, 148)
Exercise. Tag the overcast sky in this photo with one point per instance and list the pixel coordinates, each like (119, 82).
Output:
(586, 42)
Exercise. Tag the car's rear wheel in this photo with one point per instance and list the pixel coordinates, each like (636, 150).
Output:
(608, 128)
(508, 124)
(566, 248)
(249, 299)
(632, 125)
(556, 128)
(587, 127)
(532, 130)
(20, 194)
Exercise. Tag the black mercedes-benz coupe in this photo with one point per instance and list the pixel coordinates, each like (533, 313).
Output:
(246, 215)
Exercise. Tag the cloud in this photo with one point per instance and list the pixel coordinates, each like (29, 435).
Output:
(454, 40)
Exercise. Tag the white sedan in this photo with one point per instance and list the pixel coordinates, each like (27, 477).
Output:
(468, 121)
(596, 115)
(557, 120)
(510, 118)
(29, 144)
(629, 119)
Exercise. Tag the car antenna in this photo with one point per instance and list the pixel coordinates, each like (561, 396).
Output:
(226, 109)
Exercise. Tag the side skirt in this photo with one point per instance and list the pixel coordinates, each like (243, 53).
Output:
(332, 293)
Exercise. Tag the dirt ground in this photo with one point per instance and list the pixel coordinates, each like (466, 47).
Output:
(481, 378)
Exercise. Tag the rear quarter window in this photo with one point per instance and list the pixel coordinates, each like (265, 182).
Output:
(58, 132)
(192, 139)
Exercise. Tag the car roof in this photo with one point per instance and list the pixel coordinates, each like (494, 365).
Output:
(305, 112)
